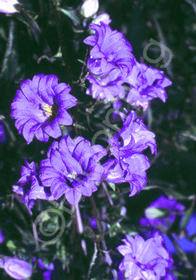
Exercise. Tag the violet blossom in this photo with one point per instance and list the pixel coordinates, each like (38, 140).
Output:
(185, 242)
(146, 83)
(144, 259)
(162, 212)
(46, 269)
(72, 168)
(110, 62)
(40, 107)
(29, 187)
(127, 163)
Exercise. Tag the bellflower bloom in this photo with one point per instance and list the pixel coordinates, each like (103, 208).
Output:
(144, 259)
(40, 106)
(16, 268)
(146, 83)
(128, 163)
(72, 168)
(7, 6)
(110, 62)
(28, 186)
(162, 212)
(89, 8)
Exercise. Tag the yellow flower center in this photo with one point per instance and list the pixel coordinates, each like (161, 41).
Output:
(73, 175)
(47, 109)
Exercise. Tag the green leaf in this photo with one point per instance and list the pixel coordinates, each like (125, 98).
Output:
(11, 246)
(181, 254)
(186, 218)
(70, 14)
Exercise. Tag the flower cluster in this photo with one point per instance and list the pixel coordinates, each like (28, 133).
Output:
(144, 259)
(128, 164)
(72, 168)
(40, 106)
(112, 64)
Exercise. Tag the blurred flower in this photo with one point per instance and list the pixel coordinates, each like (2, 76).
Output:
(110, 62)
(162, 213)
(185, 244)
(170, 276)
(29, 187)
(16, 268)
(128, 164)
(2, 237)
(89, 8)
(144, 259)
(47, 269)
(105, 18)
(40, 106)
(72, 168)
(7, 6)
(2, 134)
(146, 83)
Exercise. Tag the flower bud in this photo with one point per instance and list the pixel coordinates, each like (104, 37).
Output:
(102, 18)
(17, 269)
(89, 8)
(155, 213)
(7, 6)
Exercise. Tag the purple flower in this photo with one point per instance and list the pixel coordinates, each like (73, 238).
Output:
(2, 134)
(40, 106)
(185, 242)
(128, 164)
(8, 6)
(146, 83)
(16, 268)
(28, 186)
(72, 168)
(107, 87)
(110, 62)
(144, 259)
(46, 269)
(170, 276)
(162, 213)
(2, 237)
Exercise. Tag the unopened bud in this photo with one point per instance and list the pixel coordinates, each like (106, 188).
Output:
(7, 6)
(89, 8)
(16, 268)
(155, 213)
